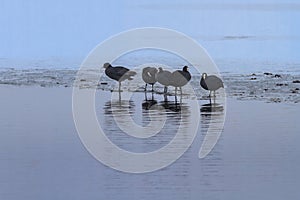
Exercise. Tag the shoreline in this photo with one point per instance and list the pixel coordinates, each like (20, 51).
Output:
(267, 86)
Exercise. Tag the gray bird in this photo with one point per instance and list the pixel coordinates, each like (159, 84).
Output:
(118, 73)
(164, 77)
(180, 78)
(211, 83)
(149, 76)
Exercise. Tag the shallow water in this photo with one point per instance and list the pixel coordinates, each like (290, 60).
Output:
(42, 157)
(159, 117)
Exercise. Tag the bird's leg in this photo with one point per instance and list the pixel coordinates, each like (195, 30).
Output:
(165, 90)
(165, 98)
(119, 86)
(180, 95)
(152, 88)
(145, 96)
(175, 99)
(175, 91)
(152, 95)
(146, 87)
(120, 96)
(210, 94)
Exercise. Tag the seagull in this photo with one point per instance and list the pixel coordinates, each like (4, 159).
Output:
(164, 78)
(180, 78)
(118, 73)
(211, 83)
(149, 76)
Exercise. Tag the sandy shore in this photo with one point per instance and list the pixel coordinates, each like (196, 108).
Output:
(42, 157)
(277, 87)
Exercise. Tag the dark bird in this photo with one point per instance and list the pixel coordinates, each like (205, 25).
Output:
(211, 83)
(118, 73)
(149, 76)
(180, 78)
(164, 77)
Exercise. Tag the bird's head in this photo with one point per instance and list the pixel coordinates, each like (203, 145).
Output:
(185, 68)
(160, 69)
(106, 65)
(154, 69)
(145, 69)
(204, 75)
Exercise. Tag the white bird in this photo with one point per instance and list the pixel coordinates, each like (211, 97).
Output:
(149, 76)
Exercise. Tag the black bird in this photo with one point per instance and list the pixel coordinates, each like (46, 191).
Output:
(164, 77)
(211, 83)
(180, 78)
(118, 73)
(149, 76)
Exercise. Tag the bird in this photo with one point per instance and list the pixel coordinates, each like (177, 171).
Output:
(211, 83)
(164, 78)
(149, 76)
(180, 78)
(118, 73)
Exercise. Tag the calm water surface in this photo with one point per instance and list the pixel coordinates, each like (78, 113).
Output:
(256, 157)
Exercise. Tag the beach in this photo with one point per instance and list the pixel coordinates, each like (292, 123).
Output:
(42, 156)
(69, 130)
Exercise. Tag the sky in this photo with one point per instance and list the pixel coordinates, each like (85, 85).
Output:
(241, 29)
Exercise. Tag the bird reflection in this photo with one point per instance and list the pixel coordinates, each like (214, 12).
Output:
(147, 104)
(174, 106)
(212, 118)
(175, 111)
(119, 107)
(120, 120)
(210, 108)
(168, 105)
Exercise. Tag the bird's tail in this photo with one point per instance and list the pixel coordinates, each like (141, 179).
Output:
(129, 74)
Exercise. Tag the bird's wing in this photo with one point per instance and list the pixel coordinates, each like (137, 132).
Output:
(148, 74)
(120, 70)
(180, 78)
(213, 82)
(218, 80)
(164, 77)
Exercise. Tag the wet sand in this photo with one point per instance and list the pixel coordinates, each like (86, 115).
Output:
(42, 157)
(271, 87)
